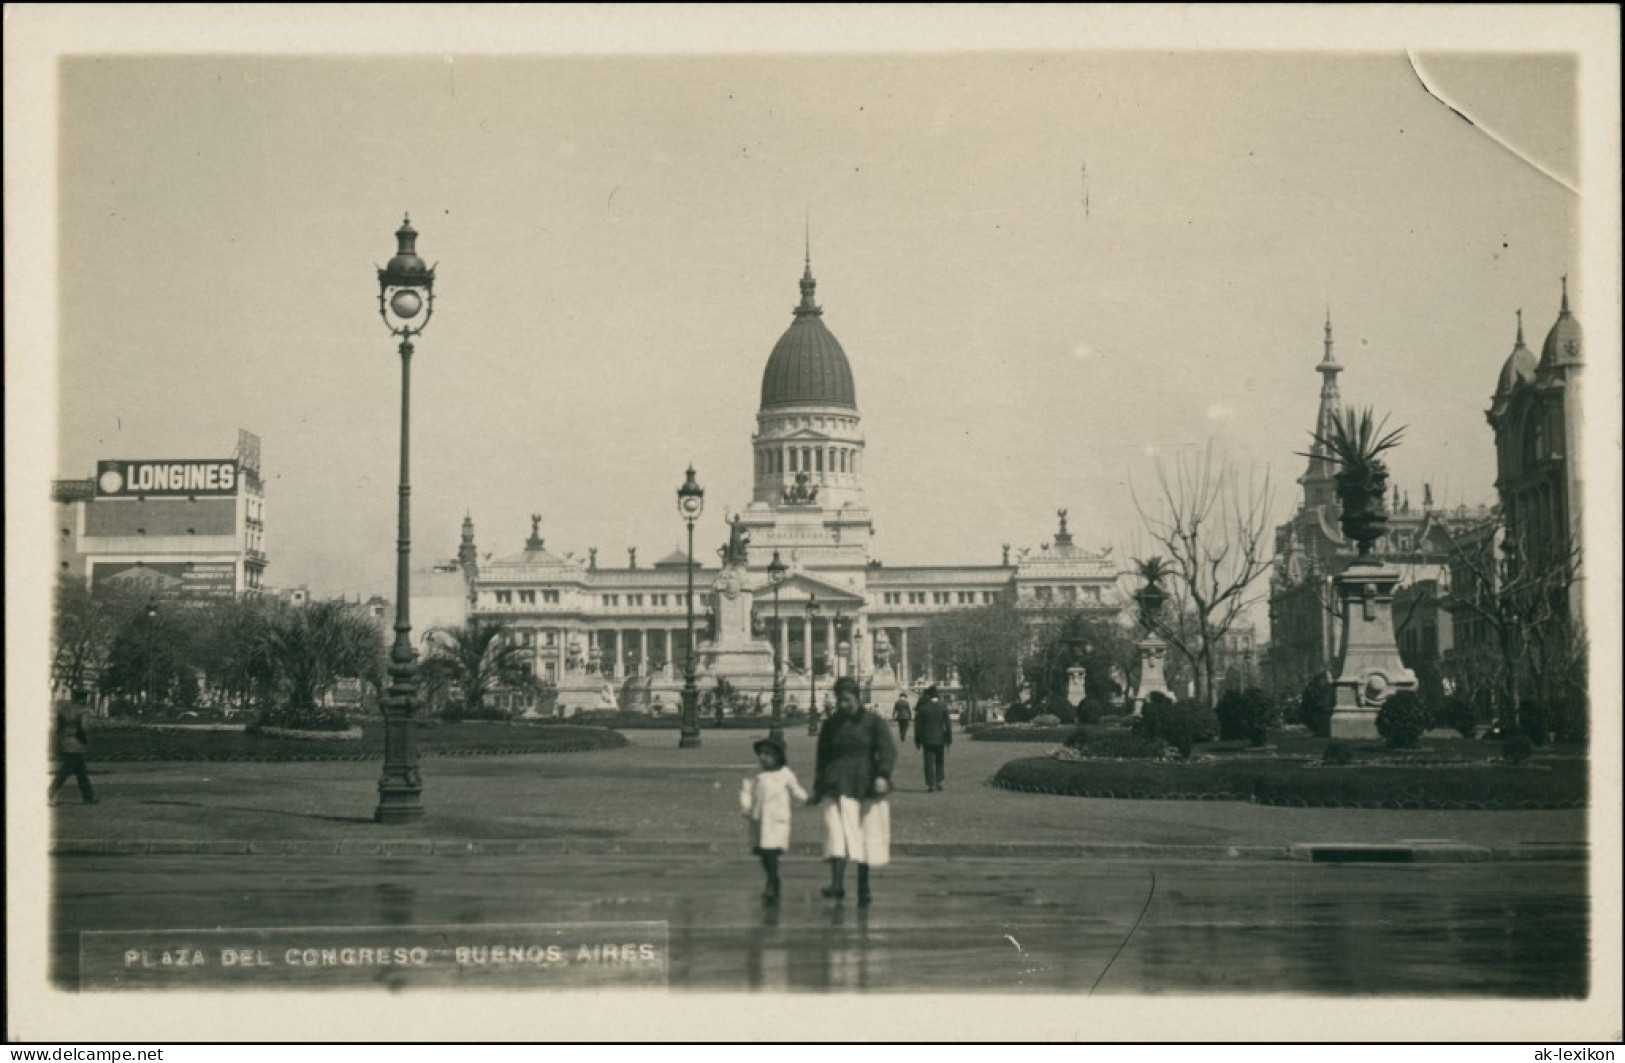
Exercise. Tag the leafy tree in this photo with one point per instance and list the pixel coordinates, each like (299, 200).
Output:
(1083, 639)
(467, 663)
(1212, 525)
(233, 649)
(85, 622)
(983, 646)
(150, 659)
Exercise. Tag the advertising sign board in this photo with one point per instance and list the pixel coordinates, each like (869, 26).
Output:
(169, 478)
(172, 580)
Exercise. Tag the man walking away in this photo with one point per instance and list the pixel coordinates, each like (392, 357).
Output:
(933, 733)
(902, 714)
(72, 742)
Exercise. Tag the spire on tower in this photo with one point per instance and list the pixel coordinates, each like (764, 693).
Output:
(808, 307)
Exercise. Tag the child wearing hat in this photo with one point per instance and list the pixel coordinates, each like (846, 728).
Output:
(765, 800)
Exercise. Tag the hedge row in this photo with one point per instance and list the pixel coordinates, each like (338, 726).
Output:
(459, 740)
(1498, 786)
(1010, 733)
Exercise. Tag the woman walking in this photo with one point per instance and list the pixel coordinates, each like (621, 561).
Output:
(853, 777)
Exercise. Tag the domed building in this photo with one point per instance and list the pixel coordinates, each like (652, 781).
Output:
(1535, 413)
(618, 634)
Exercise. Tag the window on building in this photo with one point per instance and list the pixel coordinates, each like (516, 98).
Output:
(504, 597)
(893, 597)
(940, 597)
(967, 597)
(527, 597)
(1043, 594)
(916, 597)
(550, 638)
(634, 599)
(988, 597)
(612, 599)
(1069, 595)
(1091, 594)
(550, 597)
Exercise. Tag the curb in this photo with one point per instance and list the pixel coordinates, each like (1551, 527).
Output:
(1316, 852)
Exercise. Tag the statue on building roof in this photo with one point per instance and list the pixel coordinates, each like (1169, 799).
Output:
(535, 540)
(803, 492)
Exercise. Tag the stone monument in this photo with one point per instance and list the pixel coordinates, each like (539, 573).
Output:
(735, 654)
(1152, 651)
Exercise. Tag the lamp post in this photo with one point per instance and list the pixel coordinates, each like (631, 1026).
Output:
(405, 290)
(150, 631)
(690, 503)
(812, 668)
(775, 576)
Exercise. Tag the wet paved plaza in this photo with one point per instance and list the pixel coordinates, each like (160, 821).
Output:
(937, 924)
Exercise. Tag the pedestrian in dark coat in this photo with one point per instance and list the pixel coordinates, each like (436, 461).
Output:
(72, 742)
(933, 734)
(853, 777)
(902, 714)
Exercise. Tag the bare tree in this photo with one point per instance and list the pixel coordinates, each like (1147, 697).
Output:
(1212, 523)
(1522, 596)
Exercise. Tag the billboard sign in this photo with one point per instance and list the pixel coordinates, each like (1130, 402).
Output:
(172, 478)
(170, 580)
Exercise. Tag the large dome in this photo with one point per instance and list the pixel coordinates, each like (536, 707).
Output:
(807, 366)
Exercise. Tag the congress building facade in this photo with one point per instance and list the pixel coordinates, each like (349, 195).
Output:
(616, 634)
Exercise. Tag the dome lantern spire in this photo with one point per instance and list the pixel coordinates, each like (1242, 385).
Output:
(808, 307)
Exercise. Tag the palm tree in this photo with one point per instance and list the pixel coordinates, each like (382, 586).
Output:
(476, 659)
(308, 648)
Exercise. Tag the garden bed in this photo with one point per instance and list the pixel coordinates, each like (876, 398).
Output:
(1557, 783)
(116, 743)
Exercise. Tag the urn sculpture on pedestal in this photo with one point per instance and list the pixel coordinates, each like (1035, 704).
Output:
(1369, 669)
(1152, 650)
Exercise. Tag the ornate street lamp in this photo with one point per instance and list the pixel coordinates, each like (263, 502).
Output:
(812, 668)
(690, 504)
(405, 290)
(776, 570)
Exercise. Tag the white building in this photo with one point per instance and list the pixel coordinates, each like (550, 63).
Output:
(596, 626)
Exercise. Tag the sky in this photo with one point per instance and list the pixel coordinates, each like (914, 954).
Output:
(1050, 269)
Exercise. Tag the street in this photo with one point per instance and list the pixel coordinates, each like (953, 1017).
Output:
(937, 924)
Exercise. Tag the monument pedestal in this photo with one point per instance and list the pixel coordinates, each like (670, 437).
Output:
(743, 660)
(1369, 668)
(1153, 654)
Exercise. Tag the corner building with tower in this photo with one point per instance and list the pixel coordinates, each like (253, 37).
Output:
(608, 636)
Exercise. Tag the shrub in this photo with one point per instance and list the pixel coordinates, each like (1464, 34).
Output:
(1229, 711)
(1046, 720)
(1402, 721)
(1122, 745)
(1181, 724)
(1534, 721)
(1258, 715)
(1459, 713)
(1020, 712)
(1569, 718)
(315, 718)
(1093, 710)
(1517, 749)
(1337, 754)
(1316, 703)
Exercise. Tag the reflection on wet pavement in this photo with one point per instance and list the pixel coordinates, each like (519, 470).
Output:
(1517, 930)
